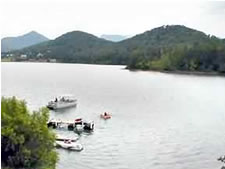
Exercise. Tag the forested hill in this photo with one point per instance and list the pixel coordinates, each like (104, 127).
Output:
(75, 47)
(176, 48)
(172, 48)
(165, 36)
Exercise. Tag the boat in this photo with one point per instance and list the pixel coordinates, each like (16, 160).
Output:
(84, 127)
(105, 116)
(222, 159)
(61, 102)
(68, 144)
(78, 125)
(54, 123)
(62, 138)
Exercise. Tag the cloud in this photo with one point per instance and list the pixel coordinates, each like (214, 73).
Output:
(55, 17)
(215, 7)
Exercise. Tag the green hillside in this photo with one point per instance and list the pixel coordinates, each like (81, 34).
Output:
(76, 47)
(172, 48)
(176, 48)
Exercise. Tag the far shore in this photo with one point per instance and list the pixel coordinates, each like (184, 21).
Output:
(197, 73)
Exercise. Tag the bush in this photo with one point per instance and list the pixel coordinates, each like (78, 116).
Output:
(26, 140)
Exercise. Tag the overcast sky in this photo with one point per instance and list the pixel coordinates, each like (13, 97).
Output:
(53, 18)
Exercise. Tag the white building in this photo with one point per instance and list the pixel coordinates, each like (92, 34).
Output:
(23, 56)
(39, 55)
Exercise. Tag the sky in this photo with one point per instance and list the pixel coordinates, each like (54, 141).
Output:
(53, 18)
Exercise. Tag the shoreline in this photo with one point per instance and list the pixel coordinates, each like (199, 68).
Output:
(62, 63)
(197, 73)
(179, 72)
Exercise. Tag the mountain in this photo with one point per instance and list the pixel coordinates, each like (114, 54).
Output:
(14, 43)
(174, 48)
(73, 47)
(165, 36)
(169, 48)
(114, 38)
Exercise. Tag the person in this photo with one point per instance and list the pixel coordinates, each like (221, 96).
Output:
(105, 114)
(56, 99)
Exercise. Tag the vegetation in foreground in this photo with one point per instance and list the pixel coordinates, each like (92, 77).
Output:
(26, 140)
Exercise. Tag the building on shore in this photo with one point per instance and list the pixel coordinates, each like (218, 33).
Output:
(23, 56)
(52, 60)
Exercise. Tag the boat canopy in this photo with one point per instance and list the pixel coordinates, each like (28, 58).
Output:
(66, 97)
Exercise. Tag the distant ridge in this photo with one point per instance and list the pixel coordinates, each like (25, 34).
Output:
(169, 48)
(15, 43)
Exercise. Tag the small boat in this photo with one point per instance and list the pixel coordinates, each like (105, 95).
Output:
(58, 124)
(105, 116)
(84, 127)
(88, 126)
(222, 159)
(62, 138)
(61, 102)
(78, 125)
(67, 144)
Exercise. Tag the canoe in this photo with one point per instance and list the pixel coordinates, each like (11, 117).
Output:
(108, 116)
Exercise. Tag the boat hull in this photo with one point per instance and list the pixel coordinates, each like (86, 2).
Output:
(59, 105)
(105, 116)
(69, 146)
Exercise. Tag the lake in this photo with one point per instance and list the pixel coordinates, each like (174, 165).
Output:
(159, 120)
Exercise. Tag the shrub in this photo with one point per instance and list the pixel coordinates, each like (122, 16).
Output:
(26, 140)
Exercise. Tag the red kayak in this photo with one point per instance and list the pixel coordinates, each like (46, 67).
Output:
(105, 116)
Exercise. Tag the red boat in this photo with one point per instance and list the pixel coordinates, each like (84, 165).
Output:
(105, 116)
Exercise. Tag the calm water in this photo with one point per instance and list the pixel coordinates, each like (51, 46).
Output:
(160, 121)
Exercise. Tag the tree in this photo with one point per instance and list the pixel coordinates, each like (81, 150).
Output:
(26, 140)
